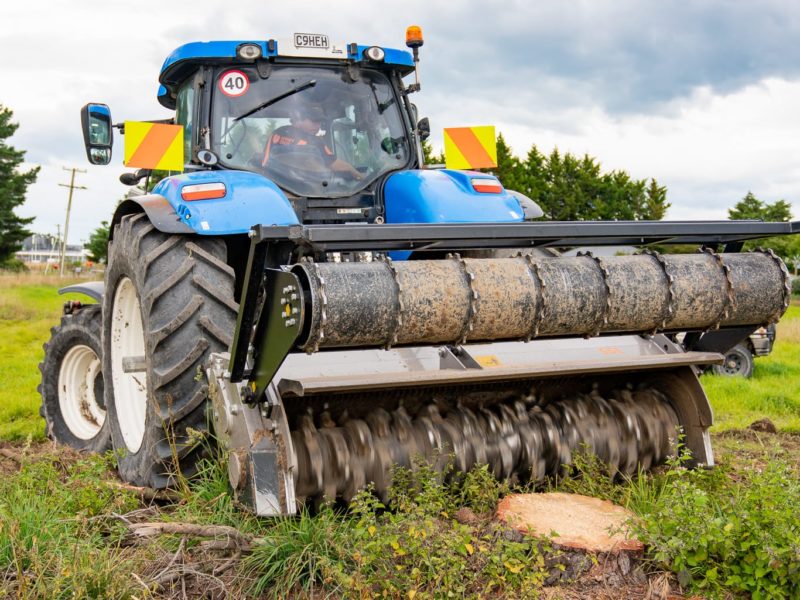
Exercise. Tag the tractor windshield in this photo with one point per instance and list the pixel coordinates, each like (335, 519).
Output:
(315, 131)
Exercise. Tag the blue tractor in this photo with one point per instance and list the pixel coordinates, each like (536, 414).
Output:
(309, 293)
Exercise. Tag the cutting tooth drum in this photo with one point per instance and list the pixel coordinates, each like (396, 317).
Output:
(517, 439)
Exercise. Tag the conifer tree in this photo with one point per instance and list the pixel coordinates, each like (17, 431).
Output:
(13, 185)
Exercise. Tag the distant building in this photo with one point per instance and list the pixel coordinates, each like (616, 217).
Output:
(42, 248)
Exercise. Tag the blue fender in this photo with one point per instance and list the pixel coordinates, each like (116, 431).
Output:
(446, 196)
(249, 199)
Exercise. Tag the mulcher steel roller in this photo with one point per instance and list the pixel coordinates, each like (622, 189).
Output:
(460, 300)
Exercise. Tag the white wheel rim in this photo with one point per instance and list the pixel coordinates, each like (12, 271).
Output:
(82, 415)
(127, 340)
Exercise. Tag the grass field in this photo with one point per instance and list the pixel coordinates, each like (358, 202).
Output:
(29, 307)
(68, 530)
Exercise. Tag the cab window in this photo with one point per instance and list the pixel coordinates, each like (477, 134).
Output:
(184, 115)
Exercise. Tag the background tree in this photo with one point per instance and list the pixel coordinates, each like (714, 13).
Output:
(572, 188)
(13, 186)
(785, 246)
(98, 243)
(751, 207)
(429, 157)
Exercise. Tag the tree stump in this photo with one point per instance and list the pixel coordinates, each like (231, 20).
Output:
(588, 535)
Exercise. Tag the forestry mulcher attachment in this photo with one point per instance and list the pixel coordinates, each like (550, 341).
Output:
(328, 308)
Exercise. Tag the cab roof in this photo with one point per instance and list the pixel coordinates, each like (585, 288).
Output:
(185, 60)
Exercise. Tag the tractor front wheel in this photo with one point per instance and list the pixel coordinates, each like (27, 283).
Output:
(168, 305)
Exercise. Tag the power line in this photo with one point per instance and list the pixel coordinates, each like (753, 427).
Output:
(71, 187)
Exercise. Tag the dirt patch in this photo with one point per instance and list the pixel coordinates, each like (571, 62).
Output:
(763, 425)
(13, 455)
(746, 448)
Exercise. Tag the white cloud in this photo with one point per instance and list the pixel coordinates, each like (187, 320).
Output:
(543, 73)
(708, 149)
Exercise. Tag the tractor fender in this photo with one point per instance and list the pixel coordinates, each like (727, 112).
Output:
(244, 199)
(93, 289)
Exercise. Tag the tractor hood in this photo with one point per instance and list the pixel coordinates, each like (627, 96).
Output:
(448, 196)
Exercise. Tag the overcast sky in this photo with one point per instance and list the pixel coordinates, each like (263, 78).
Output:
(703, 96)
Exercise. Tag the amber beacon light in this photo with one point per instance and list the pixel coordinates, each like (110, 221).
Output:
(414, 41)
(414, 36)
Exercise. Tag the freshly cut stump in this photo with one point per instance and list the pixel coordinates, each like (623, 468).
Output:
(581, 527)
(580, 522)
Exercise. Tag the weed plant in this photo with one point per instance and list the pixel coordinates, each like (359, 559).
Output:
(415, 549)
(718, 531)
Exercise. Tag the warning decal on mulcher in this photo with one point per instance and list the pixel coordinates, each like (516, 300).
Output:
(470, 147)
(153, 146)
(488, 361)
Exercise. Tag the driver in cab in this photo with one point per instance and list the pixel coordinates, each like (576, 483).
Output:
(306, 122)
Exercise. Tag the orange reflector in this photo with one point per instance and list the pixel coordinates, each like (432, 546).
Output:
(414, 36)
(486, 186)
(203, 191)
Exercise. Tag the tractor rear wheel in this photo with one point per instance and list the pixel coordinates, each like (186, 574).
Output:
(168, 305)
(73, 406)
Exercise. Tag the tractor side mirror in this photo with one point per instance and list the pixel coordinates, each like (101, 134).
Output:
(424, 128)
(97, 135)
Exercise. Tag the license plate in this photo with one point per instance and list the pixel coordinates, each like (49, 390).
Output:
(310, 40)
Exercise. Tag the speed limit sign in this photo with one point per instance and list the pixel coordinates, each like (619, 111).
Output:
(234, 83)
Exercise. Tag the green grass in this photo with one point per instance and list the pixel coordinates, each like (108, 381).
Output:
(774, 390)
(29, 307)
(725, 532)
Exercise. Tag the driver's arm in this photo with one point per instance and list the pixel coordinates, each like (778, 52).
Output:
(341, 166)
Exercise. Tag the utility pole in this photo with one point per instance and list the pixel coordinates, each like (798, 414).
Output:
(71, 187)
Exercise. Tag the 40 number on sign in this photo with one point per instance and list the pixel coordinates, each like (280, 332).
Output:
(234, 84)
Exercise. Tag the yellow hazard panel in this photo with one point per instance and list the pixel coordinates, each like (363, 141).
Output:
(154, 146)
(488, 361)
(470, 147)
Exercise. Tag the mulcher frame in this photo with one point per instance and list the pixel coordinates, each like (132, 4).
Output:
(273, 247)
(248, 395)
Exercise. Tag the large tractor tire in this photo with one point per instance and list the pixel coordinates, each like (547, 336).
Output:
(168, 305)
(73, 405)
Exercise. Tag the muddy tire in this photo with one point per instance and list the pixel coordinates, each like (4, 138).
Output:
(168, 304)
(73, 404)
(738, 361)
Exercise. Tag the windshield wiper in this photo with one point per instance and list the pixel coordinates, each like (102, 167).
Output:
(298, 88)
(382, 106)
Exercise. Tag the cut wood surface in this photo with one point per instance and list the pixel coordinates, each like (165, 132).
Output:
(577, 522)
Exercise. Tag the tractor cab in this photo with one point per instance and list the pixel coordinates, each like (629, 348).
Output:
(322, 122)
(304, 130)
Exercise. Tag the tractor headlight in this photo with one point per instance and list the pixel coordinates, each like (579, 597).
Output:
(375, 54)
(249, 51)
